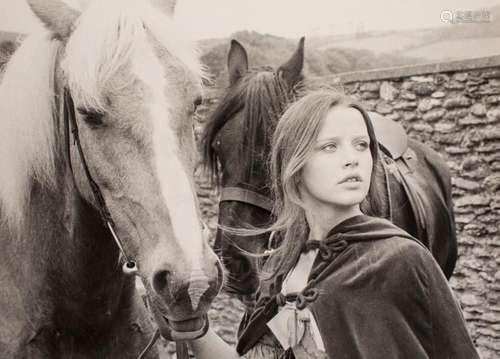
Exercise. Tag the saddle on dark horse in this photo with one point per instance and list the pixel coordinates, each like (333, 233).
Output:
(430, 206)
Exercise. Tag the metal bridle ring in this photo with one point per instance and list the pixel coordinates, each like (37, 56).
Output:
(129, 268)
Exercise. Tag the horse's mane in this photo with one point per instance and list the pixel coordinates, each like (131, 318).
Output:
(262, 96)
(106, 36)
(27, 138)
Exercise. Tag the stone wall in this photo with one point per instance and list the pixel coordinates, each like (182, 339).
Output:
(455, 108)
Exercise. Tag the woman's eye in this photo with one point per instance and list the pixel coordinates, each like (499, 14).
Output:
(330, 147)
(361, 146)
(91, 117)
(197, 102)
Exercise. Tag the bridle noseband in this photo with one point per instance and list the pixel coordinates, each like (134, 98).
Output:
(246, 196)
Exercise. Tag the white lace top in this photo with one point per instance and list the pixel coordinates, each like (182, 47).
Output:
(293, 327)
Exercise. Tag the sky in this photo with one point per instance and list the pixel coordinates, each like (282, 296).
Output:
(288, 18)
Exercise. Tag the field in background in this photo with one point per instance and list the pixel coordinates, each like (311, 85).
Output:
(363, 51)
(347, 53)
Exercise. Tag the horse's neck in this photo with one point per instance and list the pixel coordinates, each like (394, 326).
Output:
(77, 260)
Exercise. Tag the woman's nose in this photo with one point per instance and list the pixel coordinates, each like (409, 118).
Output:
(351, 163)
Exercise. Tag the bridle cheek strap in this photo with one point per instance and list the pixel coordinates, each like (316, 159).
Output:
(129, 267)
(70, 125)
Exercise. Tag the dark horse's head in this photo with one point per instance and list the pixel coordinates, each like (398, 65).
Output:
(237, 143)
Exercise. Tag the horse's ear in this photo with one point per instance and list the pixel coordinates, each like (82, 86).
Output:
(57, 16)
(167, 6)
(291, 71)
(237, 62)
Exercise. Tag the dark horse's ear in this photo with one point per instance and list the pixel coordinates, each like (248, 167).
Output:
(237, 62)
(291, 71)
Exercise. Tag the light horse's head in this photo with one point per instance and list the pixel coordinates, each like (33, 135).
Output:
(237, 144)
(135, 84)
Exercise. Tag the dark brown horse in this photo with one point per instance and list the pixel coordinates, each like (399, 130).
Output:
(121, 73)
(237, 146)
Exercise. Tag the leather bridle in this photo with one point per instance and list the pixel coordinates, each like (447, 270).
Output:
(70, 125)
(249, 197)
(129, 266)
(246, 196)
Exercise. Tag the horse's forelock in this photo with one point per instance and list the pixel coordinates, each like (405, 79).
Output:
(262, 96)
(109, 34)
(104, 40)
(266, 98)
(230, 104)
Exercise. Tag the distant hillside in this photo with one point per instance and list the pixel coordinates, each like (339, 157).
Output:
(270, 50)
(345, 53)
(450, 42)
(363, 51)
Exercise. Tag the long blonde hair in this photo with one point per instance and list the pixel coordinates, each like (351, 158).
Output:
(292, 146)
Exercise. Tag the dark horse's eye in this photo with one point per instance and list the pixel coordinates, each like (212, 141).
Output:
(92, 117)
(216, 143)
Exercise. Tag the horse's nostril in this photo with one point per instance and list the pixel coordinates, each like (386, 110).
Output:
(160, 280)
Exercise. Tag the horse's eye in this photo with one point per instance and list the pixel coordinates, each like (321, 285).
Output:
(216, 144)
(197, 102)
(92, 117)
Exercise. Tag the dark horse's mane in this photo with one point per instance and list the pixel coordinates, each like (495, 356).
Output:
(269, 95)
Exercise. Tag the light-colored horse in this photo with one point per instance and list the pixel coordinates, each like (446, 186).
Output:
(135, 84)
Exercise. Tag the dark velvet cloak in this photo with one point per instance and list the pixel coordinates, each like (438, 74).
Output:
(375, 293)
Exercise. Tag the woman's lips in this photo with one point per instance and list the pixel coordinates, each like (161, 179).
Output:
(352, 178)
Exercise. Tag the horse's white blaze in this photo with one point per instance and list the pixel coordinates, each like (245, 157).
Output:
(176, 188)
(199, 288)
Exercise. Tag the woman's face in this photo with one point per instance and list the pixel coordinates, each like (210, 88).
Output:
(339, 170)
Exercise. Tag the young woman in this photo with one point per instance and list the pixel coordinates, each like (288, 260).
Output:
(343, 284)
